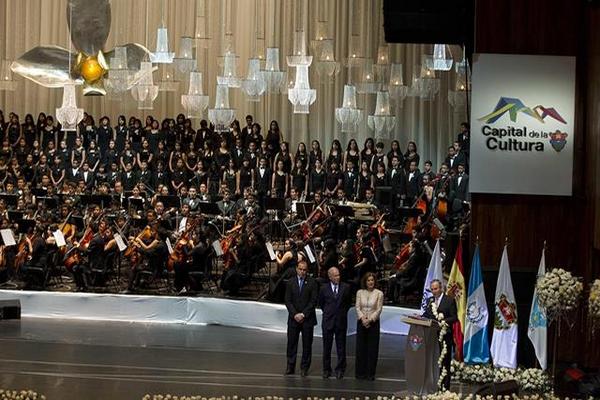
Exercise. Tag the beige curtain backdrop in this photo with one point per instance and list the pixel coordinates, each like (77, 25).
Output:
(431, 124)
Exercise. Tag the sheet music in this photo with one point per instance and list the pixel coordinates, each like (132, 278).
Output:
(309, 253)
(169, 246)
(120, 243)
(7, 237)
(271, 251)
(59, 237)
(218, 249)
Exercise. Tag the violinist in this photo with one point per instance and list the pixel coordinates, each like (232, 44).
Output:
(68, 229)
(153, 251)
(407, 277)
(95, 250)
(247, 256)
(184, 248)
(34, 268)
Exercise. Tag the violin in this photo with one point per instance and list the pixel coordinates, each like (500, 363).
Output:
(132, 252)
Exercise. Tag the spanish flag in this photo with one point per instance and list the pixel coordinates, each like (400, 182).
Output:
(457, 290)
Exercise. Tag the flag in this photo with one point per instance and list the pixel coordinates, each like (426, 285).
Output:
(476, 347)
(456, 289)
(538, 327)
(433, 272)
(504, 340)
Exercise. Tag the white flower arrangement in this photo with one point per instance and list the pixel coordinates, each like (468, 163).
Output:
(435, 396)
(594, 303)
(444, 350)
(559, 293)
(20, 395)
(529, 379)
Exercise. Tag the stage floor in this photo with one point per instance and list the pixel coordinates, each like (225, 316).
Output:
(74, 359)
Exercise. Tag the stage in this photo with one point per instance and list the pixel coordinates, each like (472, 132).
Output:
(75, 359)
(246, 314)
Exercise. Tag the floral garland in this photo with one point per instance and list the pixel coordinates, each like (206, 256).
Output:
(529, 379)
(443, 330)
(559, 293)
(20, 395)
(594, 304)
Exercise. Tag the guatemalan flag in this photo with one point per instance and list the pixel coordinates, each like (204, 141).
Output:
(504, 340)
(457, 290)
(538, 329)
(433, 272)
(476, 346)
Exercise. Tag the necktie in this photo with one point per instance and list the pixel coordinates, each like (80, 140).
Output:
(301, 284)
(335, 290)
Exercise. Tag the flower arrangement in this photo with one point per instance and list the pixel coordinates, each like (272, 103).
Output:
(529, 379)
(559, 293)
(444, 350)
(20, 395)
(594, 304)
(435, 396)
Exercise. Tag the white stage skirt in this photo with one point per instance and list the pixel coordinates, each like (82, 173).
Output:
(178, 310)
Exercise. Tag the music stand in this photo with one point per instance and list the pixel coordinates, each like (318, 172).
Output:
(304, 208)
(49, 202)
(343, 210)
(383, 196)
(274, 203)
(170, 201)
(15, 216)
(103, 200)
(26, 225)
(39, 192)
(209, 208)
(9, 199)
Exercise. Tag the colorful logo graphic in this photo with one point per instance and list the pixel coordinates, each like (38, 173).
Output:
(558, 140)
(514, 106)
(416, 342)
(476, 314)
(506, 313)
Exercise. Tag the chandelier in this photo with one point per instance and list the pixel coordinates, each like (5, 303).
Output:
(459, 96)
(229, 76)
(354, 58)
(6, 79)
(221, 116)
(119, 74)
(195, 101)
(348, 115)
(425, 86)
(326, 66)
(162, 54)
(273, 76)
(438, 61)
(368, 84)
(145, 92)
(382, 64)
(68, 114)
(382, 121)
(301, 95)
(167, 82)
(254, 85)
(185, 63)
(299, 56)
(396, 87)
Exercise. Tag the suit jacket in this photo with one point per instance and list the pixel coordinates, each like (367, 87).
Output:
(459, 191)
(263, 185)
(227, 209)
(459, 159)
(398, 181)
(304, 301)
(335, 308)
(413, 186)
(129, 183)
(447, 307)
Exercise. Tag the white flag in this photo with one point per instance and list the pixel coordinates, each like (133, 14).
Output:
(538, 327)
(433, 272)
(504, 340)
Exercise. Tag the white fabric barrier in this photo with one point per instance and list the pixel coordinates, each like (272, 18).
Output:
(178, 310)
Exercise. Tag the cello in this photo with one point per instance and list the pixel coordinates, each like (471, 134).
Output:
(178, 255)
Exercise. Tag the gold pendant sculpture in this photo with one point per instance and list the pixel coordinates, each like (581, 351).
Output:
(89, 25)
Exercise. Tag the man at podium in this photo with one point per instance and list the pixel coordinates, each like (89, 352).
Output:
(446, 306)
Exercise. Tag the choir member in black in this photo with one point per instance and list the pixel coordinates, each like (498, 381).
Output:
(350, 181)
(397, 180)
(464, 139)
(237, 152)
(252, 155)
(245, 177)
(178, 176)
(92, 155)
(229, 178)
(263, 180)
(413, 183)
(105, 134)
(14, 130)
(352, 154)
(200, 174)
(39, 125)
(34, 268)
(333, 179)
(365, 180)
(395, 151)
(428, 171)
(29, 131)
(316, 178)
(411, 155)
(453, 159)
(279, 183)
(315, 154)
(302, 155)
(368, 152)
(274, 137)
(255, 136)
(121, 134)
(299, 178)
(223, 156)
(90, 132)
(128, 178)
(335, 154)
(247, 131)
(380, 177)
(284, 155)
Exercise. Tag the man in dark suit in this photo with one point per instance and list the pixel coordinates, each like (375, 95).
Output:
(262, 180)
(350, 181)
(413, 182)
(129, 178)
(459, 190)
(397, 180)
(300, 300)
(464, 138)
(454, 158)
(446, 306)
(335, 299)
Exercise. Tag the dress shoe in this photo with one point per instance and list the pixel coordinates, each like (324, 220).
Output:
(326, 374)
(304, 373)
(289, 371)
(339, 375)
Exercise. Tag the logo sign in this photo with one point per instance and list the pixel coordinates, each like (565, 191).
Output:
(415, 342)
(522, 124)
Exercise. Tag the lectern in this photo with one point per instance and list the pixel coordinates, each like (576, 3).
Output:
(421, 356)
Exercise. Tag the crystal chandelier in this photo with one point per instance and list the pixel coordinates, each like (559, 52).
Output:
(145, 92)
(6, 78)
(299, 56)
(195, 101)
(439, 62)
(68, 114)
(185, 63)
(302, 96)
(167, 82)
(221, 116)
(273, 76)
(368, 84)
(459, 96)
(326, 66)
(425, 86)
(162, 54)
(118, 74)
(229, 76)
(382, 121)
(382, 64)
(396, 87)
(348, 115)
(354, 58)
(254, 85)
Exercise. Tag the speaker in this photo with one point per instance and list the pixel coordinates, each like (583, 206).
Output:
(498, 389)
(10, 309)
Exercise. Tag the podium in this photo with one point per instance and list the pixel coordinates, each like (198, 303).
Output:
(421, 356)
